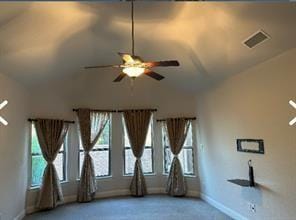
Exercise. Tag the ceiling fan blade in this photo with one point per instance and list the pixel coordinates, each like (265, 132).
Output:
(103, 66)
(119, 77)
(162, 63)
(154, 75)
(127, 58)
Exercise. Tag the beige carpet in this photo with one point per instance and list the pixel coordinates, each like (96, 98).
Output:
(152, 207)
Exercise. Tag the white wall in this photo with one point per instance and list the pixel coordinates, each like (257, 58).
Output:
(13, 149)
(96, 90)
(253, 104)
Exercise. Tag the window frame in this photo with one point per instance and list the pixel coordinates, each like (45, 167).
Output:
(165, 147)
(98, 149)
(63, 152)
(145, 147)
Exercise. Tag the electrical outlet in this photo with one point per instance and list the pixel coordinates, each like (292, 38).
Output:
(252, 207)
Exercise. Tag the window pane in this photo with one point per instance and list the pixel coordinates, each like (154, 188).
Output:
(126, 139)
(188, 141)
(168, 157)
(38, 166)
(59, 165)
(146, 161)
(35, 148)
(38, 163)
(100, 158)
(101, 162)
(149, 136)
(104, 139)
(129, 161)
(81, 159)
(80, 143)
(186, 158)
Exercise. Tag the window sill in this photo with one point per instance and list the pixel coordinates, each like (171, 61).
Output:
(35, 188)
(145, 174)
(189, 176)
(103, 177)
(99, 177)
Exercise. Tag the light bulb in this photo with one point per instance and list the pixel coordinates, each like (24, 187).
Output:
(133, 71)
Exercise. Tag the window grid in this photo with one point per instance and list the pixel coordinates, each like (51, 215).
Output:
(97, 148)
(147, 148)
(152, 161)
(62, 152)
(168, 156)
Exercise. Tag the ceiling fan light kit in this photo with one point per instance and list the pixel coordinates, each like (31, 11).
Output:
(133, 66)
(133, 72)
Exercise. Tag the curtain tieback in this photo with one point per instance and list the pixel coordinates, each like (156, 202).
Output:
(86, 152)
(50, 162)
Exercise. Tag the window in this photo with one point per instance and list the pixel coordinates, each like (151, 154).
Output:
(186, 155)
(100, 153)
(147, 157)
(39, 163)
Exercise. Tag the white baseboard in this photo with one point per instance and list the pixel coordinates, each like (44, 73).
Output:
(21, 215)
(157, 190)
(233, 214)
(114, 193)
(30, 210)
(195, 194)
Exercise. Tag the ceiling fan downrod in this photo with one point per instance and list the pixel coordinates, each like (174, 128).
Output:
(133, 29)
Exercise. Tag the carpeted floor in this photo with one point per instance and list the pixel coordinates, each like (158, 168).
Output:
(152, 207)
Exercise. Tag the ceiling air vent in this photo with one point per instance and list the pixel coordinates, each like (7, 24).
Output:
(255, 39)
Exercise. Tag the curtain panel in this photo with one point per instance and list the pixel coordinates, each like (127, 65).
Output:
(176, 129)
(51, 135)
(91, 126)
(137, 124)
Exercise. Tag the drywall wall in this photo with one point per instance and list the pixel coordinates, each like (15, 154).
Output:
(253, 104)
(13, 149)
(94, 89)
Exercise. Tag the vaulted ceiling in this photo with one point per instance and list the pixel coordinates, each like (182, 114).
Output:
(53, 41)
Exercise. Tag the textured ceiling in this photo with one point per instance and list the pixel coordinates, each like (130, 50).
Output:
(53, 41)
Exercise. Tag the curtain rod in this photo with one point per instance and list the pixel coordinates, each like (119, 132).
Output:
(123, 110)
(70, 122)
(159, 120)
(96, 110)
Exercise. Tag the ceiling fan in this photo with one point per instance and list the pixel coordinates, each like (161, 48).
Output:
(133, 65)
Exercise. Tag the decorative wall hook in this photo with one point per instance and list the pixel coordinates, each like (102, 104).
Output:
(251, 173)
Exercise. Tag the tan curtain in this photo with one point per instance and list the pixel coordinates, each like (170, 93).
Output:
(137, 124)
(51, 135)
(176, 129)
(91, 126)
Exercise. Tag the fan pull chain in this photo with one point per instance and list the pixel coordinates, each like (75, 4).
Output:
(132, 85)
